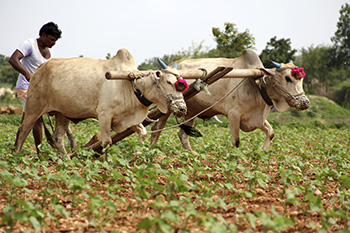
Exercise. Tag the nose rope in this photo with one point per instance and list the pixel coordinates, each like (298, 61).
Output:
(284, 92)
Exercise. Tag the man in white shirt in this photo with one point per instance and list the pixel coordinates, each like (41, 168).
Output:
(27, 58)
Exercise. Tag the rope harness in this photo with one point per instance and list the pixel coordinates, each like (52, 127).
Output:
(173, 102)
(168, 97)
(292, 100)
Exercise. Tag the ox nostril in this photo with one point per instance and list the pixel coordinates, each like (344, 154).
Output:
(305, 104)
(183, 109)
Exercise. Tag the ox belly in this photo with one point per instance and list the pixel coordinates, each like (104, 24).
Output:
(251, 122)
(87, 97)
(74, 103)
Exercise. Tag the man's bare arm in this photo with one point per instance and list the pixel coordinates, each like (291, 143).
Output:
(17, 65)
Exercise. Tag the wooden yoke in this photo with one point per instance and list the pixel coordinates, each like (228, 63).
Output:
(213, 76)
(190, 74)
(124, 75)
(233, 73)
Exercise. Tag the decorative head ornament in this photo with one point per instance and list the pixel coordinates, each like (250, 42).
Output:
(298, 73)
(181, 85)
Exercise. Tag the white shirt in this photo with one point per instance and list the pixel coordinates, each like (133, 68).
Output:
(31, 61)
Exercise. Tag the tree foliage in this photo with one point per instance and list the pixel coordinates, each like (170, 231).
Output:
(341, 88)
(323, 77)
(328, 67)
(341, 38)
(317, 63)
(7, 73)
(341, 53)
(230, 42)
(277, 50)
(194, 51)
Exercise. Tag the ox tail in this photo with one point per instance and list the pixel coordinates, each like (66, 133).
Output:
(189, 130)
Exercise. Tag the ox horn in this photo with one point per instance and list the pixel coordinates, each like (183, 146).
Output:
(275, 64)
(162, 64)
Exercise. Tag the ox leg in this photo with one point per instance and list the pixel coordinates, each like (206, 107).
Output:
(234, 124)
(61, 129)
(158, 125)
(23, 131)
(141, 131)
(184, 138)
(71, 139)
(38, 133)
(105, 128)
(268, 130)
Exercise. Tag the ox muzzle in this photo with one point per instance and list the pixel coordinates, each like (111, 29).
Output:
(177, 106)
(299, 102)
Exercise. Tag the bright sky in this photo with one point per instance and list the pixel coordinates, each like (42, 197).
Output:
(152, 28)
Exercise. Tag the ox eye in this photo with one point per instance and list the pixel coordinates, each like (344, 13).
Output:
(288, 79)
(169, 82)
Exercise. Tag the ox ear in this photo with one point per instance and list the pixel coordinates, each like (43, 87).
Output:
(266, 72)
(158, 74)
(175, 65)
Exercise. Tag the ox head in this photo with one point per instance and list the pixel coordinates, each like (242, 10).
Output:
(285, 80)
(163, 87)
(169, 86)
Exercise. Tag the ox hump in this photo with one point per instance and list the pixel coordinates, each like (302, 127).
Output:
(123, 56)
(251, 58)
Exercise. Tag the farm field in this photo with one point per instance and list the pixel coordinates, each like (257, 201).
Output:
(300, 184)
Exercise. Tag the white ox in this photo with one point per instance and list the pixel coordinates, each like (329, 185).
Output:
(76, 89)
(245, 108)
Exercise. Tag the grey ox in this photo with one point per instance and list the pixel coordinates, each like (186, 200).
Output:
(76, 89)
(249, 105)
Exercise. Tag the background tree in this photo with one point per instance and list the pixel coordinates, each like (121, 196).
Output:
(194, 51)
(340, 72)
(109, 56)
(317, 64)
(230, 42)
(341, 38)
(8, 75)
(328, 67)
(277, 50)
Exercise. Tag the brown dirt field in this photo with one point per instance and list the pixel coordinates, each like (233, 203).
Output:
(130, 212)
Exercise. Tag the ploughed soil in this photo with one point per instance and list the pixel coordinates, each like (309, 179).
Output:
(130, 212)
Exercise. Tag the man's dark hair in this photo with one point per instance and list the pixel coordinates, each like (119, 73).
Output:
(51, 29)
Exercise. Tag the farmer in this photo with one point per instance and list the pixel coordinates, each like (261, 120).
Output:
(27, 58)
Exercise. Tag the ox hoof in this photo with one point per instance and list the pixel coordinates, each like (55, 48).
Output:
(142, 138)
(237, 143)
